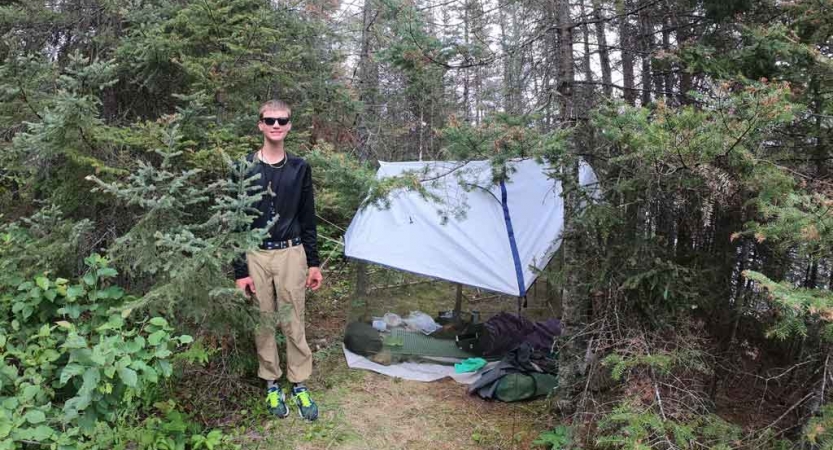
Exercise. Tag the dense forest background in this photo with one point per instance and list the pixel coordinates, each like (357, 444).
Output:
(695, 296)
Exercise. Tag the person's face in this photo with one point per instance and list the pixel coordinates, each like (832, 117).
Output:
(275, 132)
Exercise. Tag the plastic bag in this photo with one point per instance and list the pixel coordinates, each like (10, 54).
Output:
(392, 320)
(419, 321)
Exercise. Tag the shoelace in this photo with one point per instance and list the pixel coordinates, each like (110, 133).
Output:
(273, 398)
(304, 397)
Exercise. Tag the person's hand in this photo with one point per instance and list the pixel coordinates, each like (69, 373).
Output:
(314, 278)
(246, 285)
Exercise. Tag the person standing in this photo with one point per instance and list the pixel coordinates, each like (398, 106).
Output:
(286, 263)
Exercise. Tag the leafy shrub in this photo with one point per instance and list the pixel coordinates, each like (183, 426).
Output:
(72, 359)
(167, 429)
(559, 437)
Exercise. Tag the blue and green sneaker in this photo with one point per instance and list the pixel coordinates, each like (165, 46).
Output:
(307, 408)
(276, 402)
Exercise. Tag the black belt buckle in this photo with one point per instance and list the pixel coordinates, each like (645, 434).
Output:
(280, 245)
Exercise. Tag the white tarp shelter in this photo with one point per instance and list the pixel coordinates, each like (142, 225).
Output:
(482, 234)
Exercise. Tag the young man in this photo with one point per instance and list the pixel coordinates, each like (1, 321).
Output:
(286, 262)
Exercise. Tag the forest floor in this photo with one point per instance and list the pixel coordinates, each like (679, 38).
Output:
(365, 410)
(361, 409)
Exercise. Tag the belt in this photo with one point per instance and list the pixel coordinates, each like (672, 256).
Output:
(280, 245)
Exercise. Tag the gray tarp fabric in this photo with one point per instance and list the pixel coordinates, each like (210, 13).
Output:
(415, 371)
(504, 232)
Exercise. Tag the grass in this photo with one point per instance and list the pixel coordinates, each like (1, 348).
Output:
(364, 410)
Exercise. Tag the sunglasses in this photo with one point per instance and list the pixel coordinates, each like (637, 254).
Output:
(271, 120)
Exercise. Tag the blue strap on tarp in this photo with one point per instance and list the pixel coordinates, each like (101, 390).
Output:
(512, 244)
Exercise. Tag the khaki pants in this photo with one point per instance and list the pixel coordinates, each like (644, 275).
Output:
(281, 275)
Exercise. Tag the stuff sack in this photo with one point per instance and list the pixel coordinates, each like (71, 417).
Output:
(514, 387)
(361, 339)
(504, 332)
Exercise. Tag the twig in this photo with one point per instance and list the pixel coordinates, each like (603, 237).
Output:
(790, 409)
(325, 220)
(26, 100)
(390, 286)
(480, 299)
(450, 171)
(824, 376)
(654, 382)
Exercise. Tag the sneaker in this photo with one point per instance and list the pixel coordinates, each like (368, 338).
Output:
(276, 402)
(307, 408)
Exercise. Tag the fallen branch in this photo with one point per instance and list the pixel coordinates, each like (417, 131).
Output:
(391, 286)
(790, 409)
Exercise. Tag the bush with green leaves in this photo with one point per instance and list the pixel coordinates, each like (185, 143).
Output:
(559, 437)
(73, 358)
(167, 429)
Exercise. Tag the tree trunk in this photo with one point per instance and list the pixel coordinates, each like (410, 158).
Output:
(604, 53)
(668, 77)
(361, 279)
(585, 38)
(574, 302)
(510, 41)
(821, 151)
(626, 44)
(584, 93)
(565, 75)
(646, 45)
(683, 33)
(550, 69)
(368, 83)
(466, 109)
(812, 276)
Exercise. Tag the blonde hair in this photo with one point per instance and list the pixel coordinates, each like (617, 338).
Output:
(279, 105)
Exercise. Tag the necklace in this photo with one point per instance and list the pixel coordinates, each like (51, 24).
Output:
(273, 208)
(274, 166)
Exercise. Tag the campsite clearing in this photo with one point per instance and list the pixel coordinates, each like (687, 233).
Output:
(365, 410)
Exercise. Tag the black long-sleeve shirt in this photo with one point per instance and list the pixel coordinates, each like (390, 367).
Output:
(288, 193)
